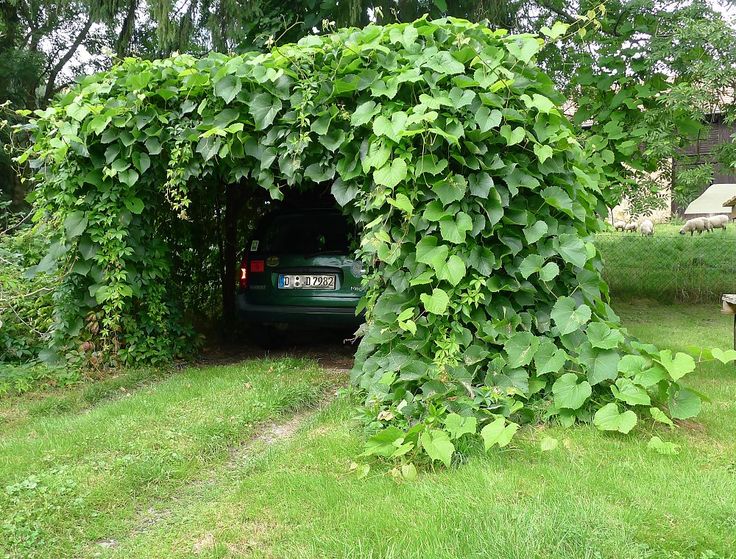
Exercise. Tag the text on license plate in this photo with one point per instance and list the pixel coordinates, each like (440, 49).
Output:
(307, 281)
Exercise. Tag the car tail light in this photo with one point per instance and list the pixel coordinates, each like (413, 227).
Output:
(257, 266)
(243, 278)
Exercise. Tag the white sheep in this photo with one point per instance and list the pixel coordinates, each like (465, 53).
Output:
(630, 227)
(619, 225)
(646, 228)
(719, 221)
(691, 225)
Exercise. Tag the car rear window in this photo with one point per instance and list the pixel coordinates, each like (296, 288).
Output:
(307, 234)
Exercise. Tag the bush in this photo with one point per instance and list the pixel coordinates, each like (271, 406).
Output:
(26, 304)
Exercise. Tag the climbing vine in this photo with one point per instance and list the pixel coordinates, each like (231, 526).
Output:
(442, 139)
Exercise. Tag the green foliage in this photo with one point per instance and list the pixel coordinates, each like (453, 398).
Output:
(477, 244)
(646, 78)
(26, 305)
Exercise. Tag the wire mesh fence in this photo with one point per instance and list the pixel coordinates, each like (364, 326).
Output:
(669, 266)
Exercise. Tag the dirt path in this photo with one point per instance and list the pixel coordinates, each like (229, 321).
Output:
(264, 436)
(331, 350)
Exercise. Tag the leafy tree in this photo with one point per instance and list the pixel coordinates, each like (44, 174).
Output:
(646, 78)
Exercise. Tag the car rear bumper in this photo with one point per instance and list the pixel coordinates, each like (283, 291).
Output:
(295, 314)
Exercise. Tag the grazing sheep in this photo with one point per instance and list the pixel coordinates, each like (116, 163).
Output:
(646, 228)
(697, 224)
(631, 226)
(718, 221)
(619, 225)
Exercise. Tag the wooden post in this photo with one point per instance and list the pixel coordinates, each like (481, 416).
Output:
(729, 307)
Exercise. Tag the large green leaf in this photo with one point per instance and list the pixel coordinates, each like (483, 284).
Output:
(677, 366)
(364, 113)
(572, 249)
(75, 224)
(391, 174)
(454, 271)
(601, 365)
(480, 184)
(512, 136)
(608, 418)
(487, 119)
(523, 47)
(531, 264)
(430, 164)
(437, 302)
(569, 316)
(557, 198)
(429, 252)
(684, 403)
(569, 393)
(134, 204)
(264, 107)
(498, 433)
(343, 192)
(603, 337)
(438, 446)
(628, 392)
(549, 358)
(443, 63)
(535, 231)
(458, 425)
(228, 87)
(520, 349)
(549, 271)
(451, 190)
(388, 443)
(454, 229)
(724, 357)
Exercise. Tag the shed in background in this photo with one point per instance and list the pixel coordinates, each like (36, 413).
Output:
(716, 199)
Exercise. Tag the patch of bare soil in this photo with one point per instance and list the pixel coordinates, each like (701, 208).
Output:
(331, 349)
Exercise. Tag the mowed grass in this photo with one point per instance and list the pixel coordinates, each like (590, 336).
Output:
(669, 266)
(597, 495)
(78, 476)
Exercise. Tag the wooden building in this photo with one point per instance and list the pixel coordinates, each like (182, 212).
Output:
(702, 151)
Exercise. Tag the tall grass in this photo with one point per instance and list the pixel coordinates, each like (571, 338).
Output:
(669, 266)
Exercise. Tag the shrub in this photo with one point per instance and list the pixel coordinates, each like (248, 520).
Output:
(26, 304)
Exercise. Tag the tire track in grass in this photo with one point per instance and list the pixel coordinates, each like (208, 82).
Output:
(79, 480)
(266, 435)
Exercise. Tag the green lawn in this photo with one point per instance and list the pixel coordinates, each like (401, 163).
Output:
(162, 473)
(669, 266)
(69, 477)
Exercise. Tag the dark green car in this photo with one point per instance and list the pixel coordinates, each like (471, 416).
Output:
(298, 269)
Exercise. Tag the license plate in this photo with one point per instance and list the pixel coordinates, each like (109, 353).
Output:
(307, 281)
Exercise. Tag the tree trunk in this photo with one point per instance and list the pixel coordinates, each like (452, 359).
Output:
(126, 29)
(51, 83)
(233, 198)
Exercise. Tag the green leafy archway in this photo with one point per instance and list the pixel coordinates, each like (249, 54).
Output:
(443, 140)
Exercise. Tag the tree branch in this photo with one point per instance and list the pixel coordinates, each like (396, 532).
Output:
(50, 84)
(567, 18)
(126, 30)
